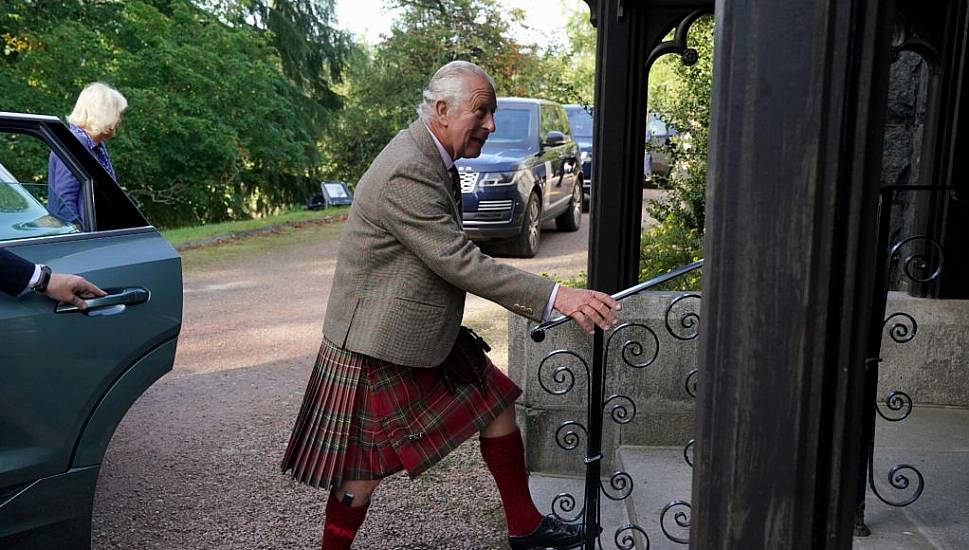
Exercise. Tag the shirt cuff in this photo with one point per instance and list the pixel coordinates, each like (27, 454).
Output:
(551, 303)
(36, 277)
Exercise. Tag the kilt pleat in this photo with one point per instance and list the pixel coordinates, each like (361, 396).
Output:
(307, 450)
(322, 440)
(336, 431)
(364, 418)
(303, 446)
(320, 433)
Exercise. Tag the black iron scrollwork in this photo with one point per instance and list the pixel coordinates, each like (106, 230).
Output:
(564, 503)
(688, 452)
(898, 481)
(917, 264)
(623, 410)
(566, 436)
(619, 488)
(690, 384)
(625, 538)
(689, 322)
(562, 376)
(680, 519)
(634, 348)
(903, 329)
(898, 402)
(679, 44)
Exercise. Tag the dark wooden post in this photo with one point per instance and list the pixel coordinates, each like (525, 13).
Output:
(797, 122)
(618, 144)
(944, 152)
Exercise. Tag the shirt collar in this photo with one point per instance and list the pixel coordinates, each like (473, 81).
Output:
(445, 157)
(83, 137)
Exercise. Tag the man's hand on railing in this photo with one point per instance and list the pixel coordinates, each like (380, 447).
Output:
(587, 307)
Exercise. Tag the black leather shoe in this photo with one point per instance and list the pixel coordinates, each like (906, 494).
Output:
(551, 533)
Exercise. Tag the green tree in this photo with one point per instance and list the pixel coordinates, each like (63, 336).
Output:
(217, 127)
(680, 93)
(385, 83)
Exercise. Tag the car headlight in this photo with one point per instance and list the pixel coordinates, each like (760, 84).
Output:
(493, 179)
(585, 157)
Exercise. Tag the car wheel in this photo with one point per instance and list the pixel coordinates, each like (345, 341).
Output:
(571, 219)
(526, 244)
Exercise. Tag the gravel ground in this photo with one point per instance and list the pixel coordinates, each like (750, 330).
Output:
(194, 464)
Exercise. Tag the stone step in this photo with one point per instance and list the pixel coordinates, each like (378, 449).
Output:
(660, 476)
(933, 439)
(613, 514)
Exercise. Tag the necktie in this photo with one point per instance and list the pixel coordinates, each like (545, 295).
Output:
(456, 189)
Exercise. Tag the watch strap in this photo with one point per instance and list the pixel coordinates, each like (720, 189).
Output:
(44, 280)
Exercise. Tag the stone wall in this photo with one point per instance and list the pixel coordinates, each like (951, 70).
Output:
(932, 368)
(904, 127)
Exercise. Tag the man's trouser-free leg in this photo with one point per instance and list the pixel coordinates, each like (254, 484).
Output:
(345, 513)
(504, 454)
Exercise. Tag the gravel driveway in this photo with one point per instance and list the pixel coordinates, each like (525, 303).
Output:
(194, 463)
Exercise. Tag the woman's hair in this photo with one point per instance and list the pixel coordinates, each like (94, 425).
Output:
(449, 84)
(98, 108)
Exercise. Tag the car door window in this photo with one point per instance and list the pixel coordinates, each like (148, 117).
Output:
(548, 120)
(23, 190)
(25, 164)
(562, 121)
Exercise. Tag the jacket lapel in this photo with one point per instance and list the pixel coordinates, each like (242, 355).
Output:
(425, 144)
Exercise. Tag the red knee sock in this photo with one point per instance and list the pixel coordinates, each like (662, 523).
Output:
(341, 524)
(505, 457)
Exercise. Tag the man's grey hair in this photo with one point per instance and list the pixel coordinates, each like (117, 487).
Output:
(450, 84)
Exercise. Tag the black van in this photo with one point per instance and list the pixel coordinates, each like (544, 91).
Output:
(528, 173)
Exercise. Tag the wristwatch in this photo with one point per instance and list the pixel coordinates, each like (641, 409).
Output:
(41, 285)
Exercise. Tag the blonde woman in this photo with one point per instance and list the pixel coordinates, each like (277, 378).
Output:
(94, 120)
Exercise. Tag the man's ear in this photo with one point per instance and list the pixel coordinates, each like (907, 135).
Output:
(441, 110)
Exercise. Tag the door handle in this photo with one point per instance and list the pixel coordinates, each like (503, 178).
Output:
(123, 297)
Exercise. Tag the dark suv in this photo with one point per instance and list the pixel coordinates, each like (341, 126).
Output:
(580, 118)
(528, 173)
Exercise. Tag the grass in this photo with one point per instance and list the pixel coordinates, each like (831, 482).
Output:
(183, 235)
(244, 249)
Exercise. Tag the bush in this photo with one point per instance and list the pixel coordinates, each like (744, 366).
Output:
(668, 246)
(683, 100)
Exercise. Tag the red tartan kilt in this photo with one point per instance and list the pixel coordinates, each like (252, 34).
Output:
(392, 418)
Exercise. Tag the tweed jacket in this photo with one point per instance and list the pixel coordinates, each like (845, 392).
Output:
(405, 265)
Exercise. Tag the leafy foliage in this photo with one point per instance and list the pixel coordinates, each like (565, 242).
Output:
(682, 96)
(384, 83)
(224, 116)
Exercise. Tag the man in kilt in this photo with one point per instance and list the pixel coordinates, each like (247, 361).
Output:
(398, 383)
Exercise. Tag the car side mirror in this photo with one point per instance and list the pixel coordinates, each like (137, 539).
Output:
(554, 138)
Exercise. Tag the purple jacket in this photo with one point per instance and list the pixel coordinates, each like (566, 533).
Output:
(64, 200)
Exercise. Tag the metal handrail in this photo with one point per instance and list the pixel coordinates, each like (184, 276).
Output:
(538, 333)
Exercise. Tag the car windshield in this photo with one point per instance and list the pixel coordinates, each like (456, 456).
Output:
(21, 213)
(514, 129)
(581, 122)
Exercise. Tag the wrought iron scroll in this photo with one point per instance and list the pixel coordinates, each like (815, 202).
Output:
(920, 259)
(680, 43)
(898, 481)
(920, 262)
(562, 371)
(675, 518)
(902, 328)
(688, 327)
